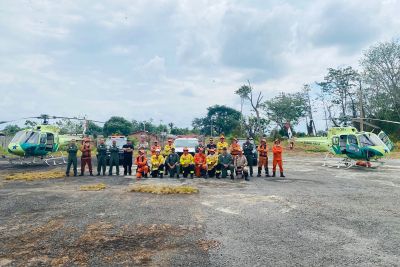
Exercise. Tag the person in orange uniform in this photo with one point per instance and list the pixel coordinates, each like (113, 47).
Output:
(235, 148)
(155, 147)
(200, 163)
(187, 163)
(142, 167)
(221, 144)
(277, 151)
(263, 158)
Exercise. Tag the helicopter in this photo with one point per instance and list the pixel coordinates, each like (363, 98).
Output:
(356, 147)
(42, 141)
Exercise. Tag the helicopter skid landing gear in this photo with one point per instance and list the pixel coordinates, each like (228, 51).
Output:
(53, 160)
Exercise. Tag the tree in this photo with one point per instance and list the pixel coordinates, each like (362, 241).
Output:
(221, 119)
(11, 130)
(117, 125)
(30, 124)
(246, 92)
(251, 125)
(381, 66)
(68, 126)
(94, 129)
(339, 86)
(286, 108)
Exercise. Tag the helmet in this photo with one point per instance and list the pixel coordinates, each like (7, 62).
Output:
(211, 150)
(158, 150)
(185, 149)
(222, 136)
(263, 140)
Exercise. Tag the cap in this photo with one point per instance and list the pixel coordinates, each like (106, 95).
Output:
(201, 149)
(211, 150)
(222, 137)
(235, 139)
(169, 140)
(263, 140)
(158, 150)
(185, 149)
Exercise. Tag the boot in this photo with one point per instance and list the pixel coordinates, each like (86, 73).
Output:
(81, 174)
(259, 172)
(98, 174)
(273, 174)
(91, 173)
(282, 175)
(232, 177)
(266, 172)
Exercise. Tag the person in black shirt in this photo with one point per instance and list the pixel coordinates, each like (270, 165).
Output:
(128, 155)
(211, 145)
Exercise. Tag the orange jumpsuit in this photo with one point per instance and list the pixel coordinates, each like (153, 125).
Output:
(154, 148)
(235, 148)
(277, 151)
(263, 156)
(200, 162)
(142, 168)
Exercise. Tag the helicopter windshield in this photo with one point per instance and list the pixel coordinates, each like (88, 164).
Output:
(370, 140)
(26, 137)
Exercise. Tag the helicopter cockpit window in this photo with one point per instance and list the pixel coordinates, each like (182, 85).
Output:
(32, 138)
(18, 137)
(352, 139)
(365, 141)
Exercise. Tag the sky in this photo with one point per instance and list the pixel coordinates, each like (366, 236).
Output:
(170, 60)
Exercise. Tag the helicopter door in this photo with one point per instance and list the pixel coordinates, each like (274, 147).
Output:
(42, 143)
(50, 142)
(385, 139)
(352, 145)
(343, 143)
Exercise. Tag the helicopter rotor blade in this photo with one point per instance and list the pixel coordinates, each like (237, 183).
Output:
(359, 119)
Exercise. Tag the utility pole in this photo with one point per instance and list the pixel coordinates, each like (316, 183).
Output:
(361, 107)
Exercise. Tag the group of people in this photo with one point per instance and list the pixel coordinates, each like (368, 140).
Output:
(211, 160)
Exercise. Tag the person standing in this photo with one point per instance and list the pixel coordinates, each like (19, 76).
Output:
(241, 165)
(225, 162)
(200, 161)
(173, 163)
(128, 157)
(248, 148)
(86, 158)
(263, 158)
(199, 145)
(114, 158)
(187, 163)
(143, 143)
(157, 164)
(235, 148)
(101, 158)
(72, 150)
(141, 163)
(221, 144)
(212, 162)
(277, 159)
(211, 145)
(155, 147)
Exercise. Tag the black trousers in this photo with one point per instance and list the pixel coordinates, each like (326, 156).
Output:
(127, 166)
(188, 170)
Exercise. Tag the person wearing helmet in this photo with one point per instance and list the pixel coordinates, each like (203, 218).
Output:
(86, 158)
(154, 148)
(277, 159)
(263, 158)
(212, 162)
(248, 148)
(221, 144)
(157, 164)
(234, 148)
(241, 165)
(211, 145)
(114, 158)
(187, 163)
(200, 163)
(167, 151)
(141, 163)
(225, 163)
(173, 163)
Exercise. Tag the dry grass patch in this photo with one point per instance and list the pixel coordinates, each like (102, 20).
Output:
(33, 176)
(93, 187)
(164, 189)
(207, 244)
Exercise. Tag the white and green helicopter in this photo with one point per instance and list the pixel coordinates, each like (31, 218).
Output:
(352, 146)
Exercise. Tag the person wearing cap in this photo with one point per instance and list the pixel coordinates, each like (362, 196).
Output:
(221, 144)
(200, 163)
(263, 158)
(141, 162)
(248, 148)
(101, 157)
(200, 145)
(167, 151)
(212, 162)
(172, 161)
(86, 158)
(157, 164)
(154, 148)
(114, 158)
(235, 147)
(72, 150)
(211, 145)
(187, 163)
(225, 163)
(128, 157)
(277, 159)
(240, 163)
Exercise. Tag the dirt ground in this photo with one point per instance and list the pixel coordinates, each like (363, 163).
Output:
(315, 216)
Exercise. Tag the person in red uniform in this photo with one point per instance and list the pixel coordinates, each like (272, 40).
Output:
(142, 167)
(263, 158)
(86, 158)
(277, 152)
(200, 163)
